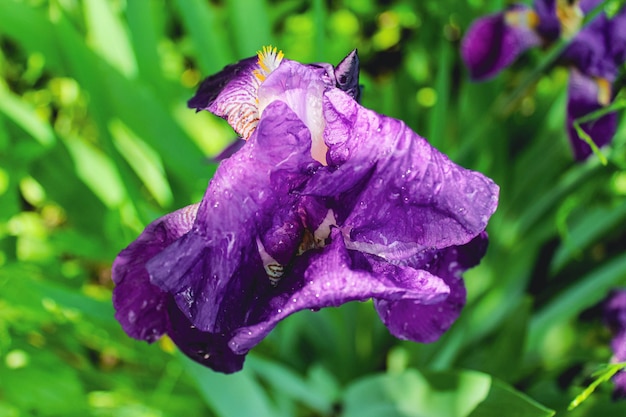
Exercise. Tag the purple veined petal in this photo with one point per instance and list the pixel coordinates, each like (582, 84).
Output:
(584, 97)
(215, 268)
(333, 276)
(394, 193)
(301, 87)
(232, 95)
(425, 323)
(140, 306)
(494, 42)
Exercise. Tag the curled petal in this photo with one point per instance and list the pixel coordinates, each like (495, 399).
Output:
(140, 306)
(331, 277)
(585, 95)
(212, 269)
(425, 323)
(232, 95)
(386, 171)
(494, 42)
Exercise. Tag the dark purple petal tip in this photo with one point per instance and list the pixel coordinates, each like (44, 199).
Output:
(347, 75)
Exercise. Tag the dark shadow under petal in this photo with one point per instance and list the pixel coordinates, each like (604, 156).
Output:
(331, 277)
(209, 349)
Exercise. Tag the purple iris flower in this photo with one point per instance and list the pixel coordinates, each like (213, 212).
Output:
(615, 318)
(594, 54)
(326, 202)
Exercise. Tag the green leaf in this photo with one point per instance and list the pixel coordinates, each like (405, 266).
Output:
(595, 224)
(247, 17)
(207, 35)
(590, 290)
(288, 383)
(24, 116)
(602, 375)
(109, 37)
(42, 385)
(442, 394)
(231, 395)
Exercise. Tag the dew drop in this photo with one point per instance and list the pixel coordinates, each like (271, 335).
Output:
(132, 317)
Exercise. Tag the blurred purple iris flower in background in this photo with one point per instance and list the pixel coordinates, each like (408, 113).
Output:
(326, 202)
(615, 318)
(594, 54)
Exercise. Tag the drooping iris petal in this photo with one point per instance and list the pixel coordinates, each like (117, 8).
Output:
(209, 349)
(330, 277)
(395, 193)
(140, 306)
(425, 323)
(494, 42)
(211, 270)
(584, 94)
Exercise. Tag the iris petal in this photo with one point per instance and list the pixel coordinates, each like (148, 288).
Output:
(583, 98)
(492, 42)
(140, 306)
(425, 323)
(232, 95)
(386, 171)
(248, 196)
(331, 277)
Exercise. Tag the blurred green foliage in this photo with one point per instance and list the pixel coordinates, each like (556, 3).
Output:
(96, 141)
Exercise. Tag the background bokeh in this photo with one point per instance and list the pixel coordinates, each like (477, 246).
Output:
(96, 141)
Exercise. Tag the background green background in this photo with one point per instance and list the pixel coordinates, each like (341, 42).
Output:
(96, 141)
